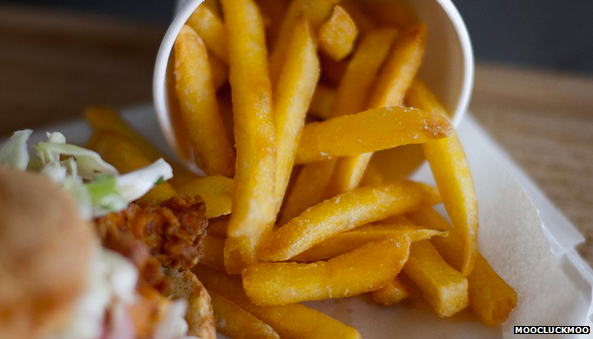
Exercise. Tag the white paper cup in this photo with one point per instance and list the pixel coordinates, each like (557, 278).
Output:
(447, 67)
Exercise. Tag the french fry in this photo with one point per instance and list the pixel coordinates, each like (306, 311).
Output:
(395, 78)
(294, 321)
(107, 119)
(199, 317)
(391, 294)
(216, 191)
(360, 236)
(213, 252)
(361, 72)
(362, 270)
(345, 212)
(293, 94)
(396, 291)
(212, 30)
(199, 108)
(254, 208)
(322, 101)
(180, 131)
(364, 23)
(443, 287)
(491, 299)
(126, 157)
(369, 131)
(338, 34)
(316, 12)
(453, 178)
(235, 322)
(308, 189)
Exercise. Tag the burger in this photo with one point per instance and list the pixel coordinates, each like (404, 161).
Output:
(79, 259)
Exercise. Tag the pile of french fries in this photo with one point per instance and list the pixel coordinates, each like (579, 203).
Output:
(283, 104)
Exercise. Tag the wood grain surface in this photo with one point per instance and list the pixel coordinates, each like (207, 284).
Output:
(53, 64)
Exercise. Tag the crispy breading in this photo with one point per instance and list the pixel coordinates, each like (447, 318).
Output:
(172, 230)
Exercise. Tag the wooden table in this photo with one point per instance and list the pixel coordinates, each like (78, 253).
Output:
(53, 64)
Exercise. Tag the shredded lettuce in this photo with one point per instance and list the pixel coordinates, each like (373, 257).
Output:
(135, 184)
(96, 186)
(14, 152)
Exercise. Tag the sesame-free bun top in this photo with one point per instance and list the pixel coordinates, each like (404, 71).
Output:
(45, 250)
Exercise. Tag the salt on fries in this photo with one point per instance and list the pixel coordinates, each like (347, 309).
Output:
(338, 84)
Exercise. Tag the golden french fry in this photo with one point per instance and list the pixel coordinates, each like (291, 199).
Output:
(395, 77)
(126, 157)
(199, 108)
(490, 298)
(316, 12)
(180, 131)
(391, 13)
(361, 72)
(254, 208)
(235, 322)
(362, 270)
(345, 212)
(337, 34)
(308, 189)
(199, 317)
(453, 178)
(107, 119)
(216, 191)
(211, 29)
(183, 179)
(348, 241)
(213, 252)
(322, 101)
(369, 131)
(390, 294)
(414, 232)
(293, 94)
(364, 23)
(294, 321)
(442, 286)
